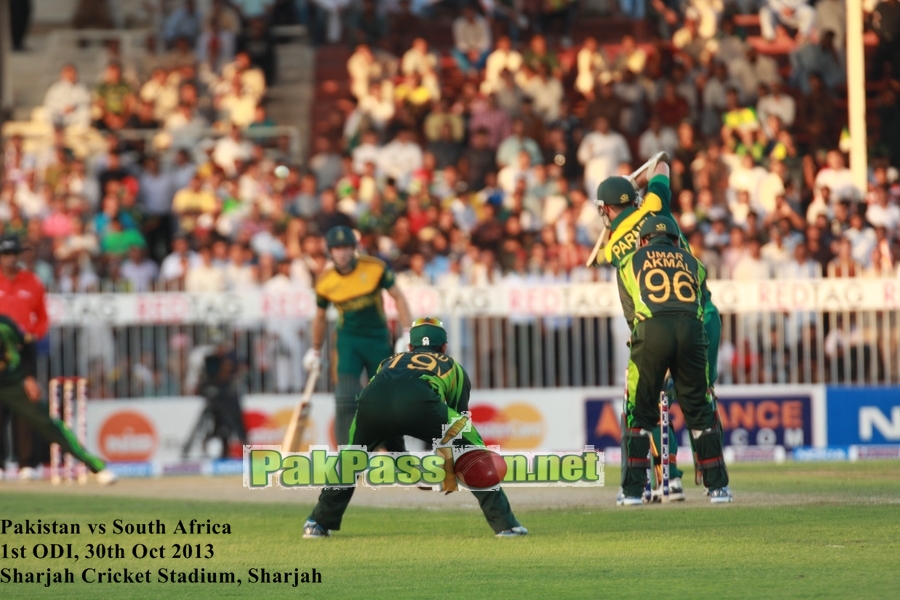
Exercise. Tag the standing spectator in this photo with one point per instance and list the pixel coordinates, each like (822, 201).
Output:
(546, 93)
(67, 102)
(886, 23)
(493, 119)
(477, 161)
(591, 67)
(515, 143)
(205, 276)
(139, 271)
(471, 40)
(113, 99)
(400, 158)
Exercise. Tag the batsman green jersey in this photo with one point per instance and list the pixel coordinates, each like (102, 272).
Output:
(659, 279)
(625, 238)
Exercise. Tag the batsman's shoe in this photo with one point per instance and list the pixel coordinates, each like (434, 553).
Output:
(720, 495)
(312, 530)
(623, 500)
(676, 492)
(106, 477)
(516, 531)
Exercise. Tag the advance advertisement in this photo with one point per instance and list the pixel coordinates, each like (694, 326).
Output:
(780, 415)
(863, 416)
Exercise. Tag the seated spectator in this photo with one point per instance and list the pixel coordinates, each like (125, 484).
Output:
(775, 103)
(487, 115)
(116, 241)
(418, 59)
(816, 113)
(671, 108)
(881, 212)
(261, 118)
(191, 202)
(363, 70)
(801, 266)
(714, 100)
(775, 16)
(230, 150)
(688, 39)
(253, 80)
(377, 107)
(515, 143)
(67, 102)
(862, 238)
(631, 58)
(113, 100)
(886, 23)
(400, 158)
(752, 266)
(836, 177)
(633, 95)
(546, 94)
(439, 116)
(751, 70)
(366, 24)
(446, 150)
(503, 58)
(601, 152)
(656, 139)
(471, 40)
(539, 54)
(823, 58)
(238, 106)
(183, 22)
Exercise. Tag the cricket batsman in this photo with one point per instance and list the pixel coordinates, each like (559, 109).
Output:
(416, 393)
(662, 288)
(17, 354)
(363, 340)
(617, 203)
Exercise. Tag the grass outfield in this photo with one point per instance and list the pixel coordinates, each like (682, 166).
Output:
(796, 530)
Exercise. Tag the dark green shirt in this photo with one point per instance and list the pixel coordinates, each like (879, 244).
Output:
(14, 352)
(445, 376)
(661, 278)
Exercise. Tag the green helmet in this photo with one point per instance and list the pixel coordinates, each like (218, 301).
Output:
(616, 191)
(340, 235)
(427, 331)
(659, 225)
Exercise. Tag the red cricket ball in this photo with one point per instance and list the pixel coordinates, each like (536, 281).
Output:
(480, 468)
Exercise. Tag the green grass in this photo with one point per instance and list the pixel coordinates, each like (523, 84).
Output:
(795, 531)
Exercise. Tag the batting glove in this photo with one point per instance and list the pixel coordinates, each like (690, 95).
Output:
(402, 344)
(311, 360)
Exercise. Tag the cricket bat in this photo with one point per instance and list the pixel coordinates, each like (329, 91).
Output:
(300, 416)
(604, 237)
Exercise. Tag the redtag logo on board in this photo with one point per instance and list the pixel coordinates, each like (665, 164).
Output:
(127, 436)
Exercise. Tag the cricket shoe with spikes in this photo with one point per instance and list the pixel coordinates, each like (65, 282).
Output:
(720, 495)
(314, 531)
(516, 531)
(676, 491)
(623, 500)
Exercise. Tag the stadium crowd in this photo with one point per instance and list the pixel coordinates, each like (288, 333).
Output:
(467, 164)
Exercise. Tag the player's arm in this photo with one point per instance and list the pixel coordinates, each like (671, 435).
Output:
(312, 359)
(403, 312)
(465, 391)
(624, 292)
(643, 180)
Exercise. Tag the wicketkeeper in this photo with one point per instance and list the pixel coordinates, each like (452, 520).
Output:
(21, 398)
(662, 288)
(618, 204)
(415, 393)
(354, 286)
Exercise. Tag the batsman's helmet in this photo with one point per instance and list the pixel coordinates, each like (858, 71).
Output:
(615, 191)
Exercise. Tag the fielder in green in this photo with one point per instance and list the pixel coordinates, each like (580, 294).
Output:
(662, 288)
(418, 393)
(617, 202)
(354, 285)
(17, 361)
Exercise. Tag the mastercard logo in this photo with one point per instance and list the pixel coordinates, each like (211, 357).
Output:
(517, 426)
(127, 436)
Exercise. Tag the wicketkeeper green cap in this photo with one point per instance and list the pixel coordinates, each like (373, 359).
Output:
(616, 191)
(338, 236)
(659, 224)
(427, 331)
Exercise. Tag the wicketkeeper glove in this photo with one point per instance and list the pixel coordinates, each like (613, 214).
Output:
(311, 360)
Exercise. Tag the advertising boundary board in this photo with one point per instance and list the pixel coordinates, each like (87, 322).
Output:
(861, 416)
